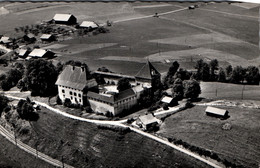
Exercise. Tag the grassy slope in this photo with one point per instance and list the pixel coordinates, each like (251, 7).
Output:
(12, 156)
(84, 145)
(229, 91)
(239, 145)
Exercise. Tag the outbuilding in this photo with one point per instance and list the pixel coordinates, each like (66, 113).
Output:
(23, 53)
(168, 100)
(67, 19)
(29, 38)
(148, 121)
(216, 112)
(47, 38)
(41, 53)
(5, 40)
(89, 25)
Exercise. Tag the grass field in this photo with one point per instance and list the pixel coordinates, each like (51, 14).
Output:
(12, 156)
(219, 30)
(239, 145)
(84, 145)
(218, 90)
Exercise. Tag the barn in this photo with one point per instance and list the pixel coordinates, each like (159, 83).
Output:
(67, 19)
(88, 25)
(23, 53)
(41, 53)
(216, 112)
(47, 38)
(148, 122)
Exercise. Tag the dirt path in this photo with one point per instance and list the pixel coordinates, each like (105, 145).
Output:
(10, 137)
(120, 124)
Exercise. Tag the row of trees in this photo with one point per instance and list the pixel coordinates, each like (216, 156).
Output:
(212, 72)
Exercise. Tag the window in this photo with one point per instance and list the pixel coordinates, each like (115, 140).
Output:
(63, 91)
(70, 92)
(79, 100)
(79, 95)
(71, 98)
(75, 94)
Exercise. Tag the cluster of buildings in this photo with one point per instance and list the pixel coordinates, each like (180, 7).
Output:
(73, 84)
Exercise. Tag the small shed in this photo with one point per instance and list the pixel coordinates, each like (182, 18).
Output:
(67, 19)
(169, 101)
(29, 38)
(41, 53)
(216, 112)
(23, 53)
(47, 38)
(89, 25)
(148, 121)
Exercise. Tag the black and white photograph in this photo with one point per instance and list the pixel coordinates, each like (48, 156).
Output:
(130, 84)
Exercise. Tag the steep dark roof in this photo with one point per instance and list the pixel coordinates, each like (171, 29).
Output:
(147, 71)
(124, 94)
(74, 77)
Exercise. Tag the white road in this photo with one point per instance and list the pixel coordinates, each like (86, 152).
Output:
(119, 123)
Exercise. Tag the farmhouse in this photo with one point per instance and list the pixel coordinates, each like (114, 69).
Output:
(29, 38)
(110, 77)
(148, 121)
(73, 84)
(217, 112)
(47, 38)
(89, 25)
(5, 40)
(41, 53)
(67, 19)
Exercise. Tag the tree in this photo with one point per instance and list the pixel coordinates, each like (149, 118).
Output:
(103, 69)
(229, 70)
(183, 74)
(145, 99)
(191, 89)
(238, 75)
(11, 79)
(221, 75)
(252, 75)
(3, 103)
(41, 76)
(25, 109)
(169, 79)
(177, 90)
(213, 67)
(123, 84)
(203, 70)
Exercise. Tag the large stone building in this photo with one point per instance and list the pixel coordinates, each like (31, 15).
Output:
(73, 84)
(106, 99)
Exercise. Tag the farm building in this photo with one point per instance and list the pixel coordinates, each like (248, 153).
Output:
(47, 38)
(217, 112)
(148, 121)
(23, 53)
(89, 25)
(67, 19)
(29, 38)
(73, 84)
(112, 103)
(5, 40)
(168, 100)
(41, 53)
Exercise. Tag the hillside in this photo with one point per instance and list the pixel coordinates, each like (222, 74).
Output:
(85, 145)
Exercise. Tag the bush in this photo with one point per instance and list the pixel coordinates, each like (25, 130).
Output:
(165, 106)
(58, 100)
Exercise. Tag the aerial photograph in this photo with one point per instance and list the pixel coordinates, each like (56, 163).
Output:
(129, 84)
